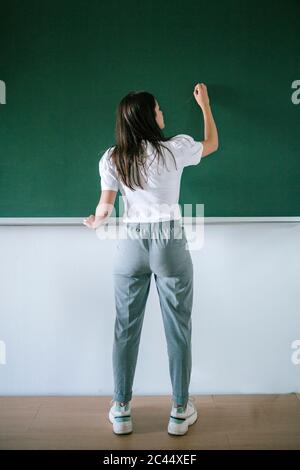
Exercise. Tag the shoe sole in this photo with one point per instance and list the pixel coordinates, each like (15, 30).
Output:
(181, 429)
(120, 428)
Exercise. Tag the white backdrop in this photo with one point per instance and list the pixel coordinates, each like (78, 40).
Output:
(57, 313)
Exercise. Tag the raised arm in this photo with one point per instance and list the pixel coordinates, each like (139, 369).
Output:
(211, 140)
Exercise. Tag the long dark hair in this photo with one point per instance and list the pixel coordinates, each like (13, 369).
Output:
(135, 125)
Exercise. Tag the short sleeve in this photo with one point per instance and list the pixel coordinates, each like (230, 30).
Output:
(189, 151)
(107, 172)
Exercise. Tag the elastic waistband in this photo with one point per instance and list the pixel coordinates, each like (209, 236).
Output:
(160, 229)
(157, 224)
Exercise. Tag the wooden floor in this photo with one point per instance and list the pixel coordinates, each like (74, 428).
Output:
(224, 422)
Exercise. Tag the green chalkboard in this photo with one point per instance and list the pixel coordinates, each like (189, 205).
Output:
(66, 65)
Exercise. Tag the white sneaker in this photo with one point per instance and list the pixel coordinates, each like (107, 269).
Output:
(181, 419)
(120, 417)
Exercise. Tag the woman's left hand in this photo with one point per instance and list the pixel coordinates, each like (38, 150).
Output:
(92, 221)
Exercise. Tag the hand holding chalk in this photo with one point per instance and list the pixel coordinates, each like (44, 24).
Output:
(201, 96)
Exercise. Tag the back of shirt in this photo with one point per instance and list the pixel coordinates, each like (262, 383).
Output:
(158, 200)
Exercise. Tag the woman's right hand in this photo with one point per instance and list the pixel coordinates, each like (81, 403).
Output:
(201, 96)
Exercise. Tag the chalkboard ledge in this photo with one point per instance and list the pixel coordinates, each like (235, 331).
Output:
(117, 221)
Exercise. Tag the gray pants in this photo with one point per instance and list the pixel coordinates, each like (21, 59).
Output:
(160, 248)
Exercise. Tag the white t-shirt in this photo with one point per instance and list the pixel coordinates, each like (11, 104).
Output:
(159, 199)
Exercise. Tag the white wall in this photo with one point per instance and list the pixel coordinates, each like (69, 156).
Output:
(57, 312)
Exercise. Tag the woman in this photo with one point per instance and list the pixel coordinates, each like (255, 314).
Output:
(146, 167)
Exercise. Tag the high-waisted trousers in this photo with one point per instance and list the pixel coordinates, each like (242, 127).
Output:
(160, 248)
